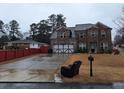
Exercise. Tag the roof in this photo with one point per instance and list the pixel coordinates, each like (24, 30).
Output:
(79, 27)
(62, 28)
(84, 26)
(26, 41)
(89, 25)
(71, 28)
(105, 26)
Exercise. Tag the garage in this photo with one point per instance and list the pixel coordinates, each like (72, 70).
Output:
(63, 48)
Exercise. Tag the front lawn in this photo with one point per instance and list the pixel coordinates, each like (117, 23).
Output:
(107, 68)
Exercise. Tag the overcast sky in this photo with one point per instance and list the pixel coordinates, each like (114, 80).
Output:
(26, 14)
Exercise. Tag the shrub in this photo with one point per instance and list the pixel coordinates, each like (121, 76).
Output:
(109, 51)
(84, 50)
(101, 51)
(81, 50)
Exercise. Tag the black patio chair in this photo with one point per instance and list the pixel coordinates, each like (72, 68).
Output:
(76, 67)
(71, 70)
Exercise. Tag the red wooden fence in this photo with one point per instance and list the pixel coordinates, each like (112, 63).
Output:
(2, 55)
(44, 49)
(8, 55)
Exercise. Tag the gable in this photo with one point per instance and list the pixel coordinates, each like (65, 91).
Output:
(99, 24)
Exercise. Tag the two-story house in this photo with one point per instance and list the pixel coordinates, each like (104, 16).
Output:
(92, 37)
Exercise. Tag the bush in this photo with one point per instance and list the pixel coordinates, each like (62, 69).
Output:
(101, 51)
(81, 50)
(84, 50)
(107, 51)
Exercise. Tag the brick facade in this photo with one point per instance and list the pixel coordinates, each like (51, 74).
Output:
(95, 37)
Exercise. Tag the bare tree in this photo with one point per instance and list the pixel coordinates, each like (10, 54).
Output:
(119, 38)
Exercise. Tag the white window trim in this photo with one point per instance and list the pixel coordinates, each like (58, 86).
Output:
(93, 34)
(103, 33)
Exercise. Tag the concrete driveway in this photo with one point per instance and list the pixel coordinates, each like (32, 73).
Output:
(39, 68)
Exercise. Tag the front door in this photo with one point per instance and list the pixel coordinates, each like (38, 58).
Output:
(93, 47)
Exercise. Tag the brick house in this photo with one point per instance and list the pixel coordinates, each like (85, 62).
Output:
(91, 37)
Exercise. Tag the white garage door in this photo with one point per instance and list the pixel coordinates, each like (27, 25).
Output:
(63, 49)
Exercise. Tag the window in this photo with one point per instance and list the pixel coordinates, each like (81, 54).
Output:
(61, 36)
(104, 45)
(101, 45)
(82, 45)
(103, 34)
(64, 34)
(93, 34)
(82, 35)
(70, 34)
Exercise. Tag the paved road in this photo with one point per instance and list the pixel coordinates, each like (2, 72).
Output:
(60, 86)
(39, 68)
